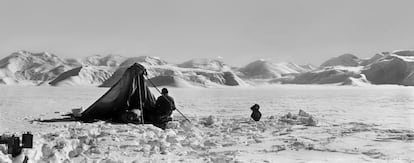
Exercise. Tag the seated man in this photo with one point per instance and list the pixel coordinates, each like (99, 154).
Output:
(165, 105)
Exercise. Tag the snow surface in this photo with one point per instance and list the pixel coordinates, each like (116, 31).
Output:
(354, 124)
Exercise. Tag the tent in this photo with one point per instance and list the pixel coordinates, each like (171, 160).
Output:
(128, 93)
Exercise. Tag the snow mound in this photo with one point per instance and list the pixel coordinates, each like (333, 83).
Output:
(262, 69)
(342, 60)
(83, 76)
(302, 118)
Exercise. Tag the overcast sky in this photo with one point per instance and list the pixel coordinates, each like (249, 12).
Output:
(301, 31)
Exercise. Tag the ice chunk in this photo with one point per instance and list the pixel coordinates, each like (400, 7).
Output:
(302, 118)
(210, 120)
(303, 113)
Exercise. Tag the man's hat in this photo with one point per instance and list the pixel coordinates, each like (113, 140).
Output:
(164, 91)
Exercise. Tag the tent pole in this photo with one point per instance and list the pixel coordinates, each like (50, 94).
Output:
(140, 101)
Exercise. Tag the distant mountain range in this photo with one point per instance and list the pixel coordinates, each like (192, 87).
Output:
(26, 68)
(385, 68)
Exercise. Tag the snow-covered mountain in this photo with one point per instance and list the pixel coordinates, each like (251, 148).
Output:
(205, 64)
(206, 73)
(146, 61)
(83, 76)
(32, 68)
(397, 68)
(28, 68)
(262, 69)
(326, 75)
(385, 68)
(342, 60)
(100, 60)
(376, 57)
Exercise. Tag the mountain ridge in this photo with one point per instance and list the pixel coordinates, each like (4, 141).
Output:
(27, 68)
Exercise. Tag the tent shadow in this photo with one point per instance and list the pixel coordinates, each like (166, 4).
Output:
(67, 118)
(70, 118)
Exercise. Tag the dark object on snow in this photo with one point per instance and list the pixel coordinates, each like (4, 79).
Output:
(256, 115)
(128, 93)
(165, 104)
(13, 143)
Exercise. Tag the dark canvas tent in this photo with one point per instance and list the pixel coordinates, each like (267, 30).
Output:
(130, 92)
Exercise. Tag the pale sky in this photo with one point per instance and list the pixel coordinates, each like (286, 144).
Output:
(240, 31)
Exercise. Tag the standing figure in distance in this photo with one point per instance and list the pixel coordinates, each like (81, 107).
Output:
(256, 115)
